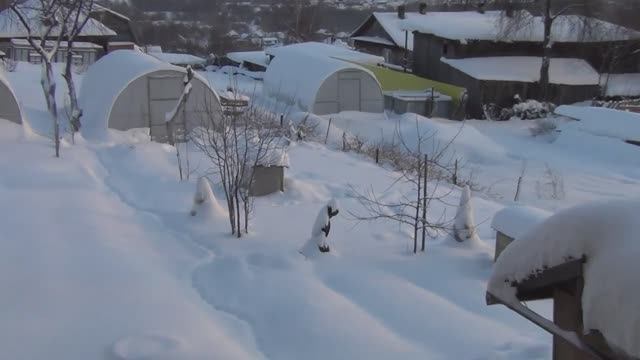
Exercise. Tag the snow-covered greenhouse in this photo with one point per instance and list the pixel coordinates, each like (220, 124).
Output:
(127, 89)
(322, 84)
(9, 106)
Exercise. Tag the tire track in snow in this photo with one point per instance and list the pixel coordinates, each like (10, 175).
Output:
(159, 218)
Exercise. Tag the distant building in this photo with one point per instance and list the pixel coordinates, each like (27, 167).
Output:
(382, 34)
(469, 49)
(95, 39)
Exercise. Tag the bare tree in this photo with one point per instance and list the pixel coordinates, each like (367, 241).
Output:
(236, 143)
(43, 20)
(80, 10)
(47, 23)
(418, 165)
(522, 21)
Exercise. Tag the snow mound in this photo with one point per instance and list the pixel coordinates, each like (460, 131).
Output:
(465, 224)
(603, 121)
(516, 220)
(606, 233)
(205, 202)
(146, 347)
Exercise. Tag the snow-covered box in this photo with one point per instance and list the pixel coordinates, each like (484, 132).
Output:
(511, 222)
(586, 259)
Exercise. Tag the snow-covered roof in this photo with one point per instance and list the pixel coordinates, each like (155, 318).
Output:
(374, 39)
(472, 25)
(606, 233)
(599, 121)
(622, 84)
(278, 156)
(10, 25)
(63, 45)
(100, 8)
(514, 221)
(177, 59)
(565, 71)
(254, 57)
(296, 76)
(316, 49)
(393, 25)
(108, 77)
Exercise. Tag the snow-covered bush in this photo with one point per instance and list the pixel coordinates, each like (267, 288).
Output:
(544, 126)
(464, 226)
(523, 110)
(532, 109)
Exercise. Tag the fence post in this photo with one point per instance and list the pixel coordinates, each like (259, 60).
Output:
(424, 201)
(328, 127)
(454, 178)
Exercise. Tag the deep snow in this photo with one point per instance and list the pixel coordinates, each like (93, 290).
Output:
(100, 258)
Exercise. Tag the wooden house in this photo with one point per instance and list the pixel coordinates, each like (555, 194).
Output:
(447, 46)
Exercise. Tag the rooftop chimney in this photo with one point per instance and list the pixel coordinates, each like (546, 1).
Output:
(422, 8)
(510, 11)
(401, 11)
(481, 7)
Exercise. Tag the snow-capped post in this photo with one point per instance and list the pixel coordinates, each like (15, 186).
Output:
(204, 200)
(171, 115)
(464, 226)
(322, 226)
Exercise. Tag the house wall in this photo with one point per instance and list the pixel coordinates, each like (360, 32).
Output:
(9, 108)
(133, 108)
(267, 180)
(21, 53)
(428, 49)
(392, 54)
(349, 90)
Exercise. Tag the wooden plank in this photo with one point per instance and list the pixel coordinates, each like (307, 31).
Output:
(541, 285)
(568, 336)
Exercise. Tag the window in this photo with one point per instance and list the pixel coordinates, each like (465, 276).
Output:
(78, 60)
(34, 57)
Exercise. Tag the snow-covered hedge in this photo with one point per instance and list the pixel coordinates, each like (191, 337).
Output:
(523, 110)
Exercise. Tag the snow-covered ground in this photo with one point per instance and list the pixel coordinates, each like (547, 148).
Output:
(100, 259)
